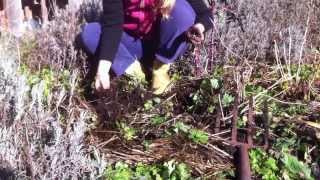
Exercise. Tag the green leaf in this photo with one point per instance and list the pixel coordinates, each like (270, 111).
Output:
(121, 171)
(171, 166)
(147, 171)
(157, 100)
(208, 84)
(148, 105)
(271, 163)
(158, 120)
(227, 100)
(146, 144)
(183, 171)
(295, 168)
(211, 109)
(128, 132)
(252, 89)
(180, 126)
(196, 97)
(214, 83)
(263, 165)
(198, 136)
(170, 170)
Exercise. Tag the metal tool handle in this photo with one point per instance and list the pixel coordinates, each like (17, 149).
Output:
(243, 167)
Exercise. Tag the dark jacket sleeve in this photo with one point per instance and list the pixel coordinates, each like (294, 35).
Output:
(203, 12)
(112, 21)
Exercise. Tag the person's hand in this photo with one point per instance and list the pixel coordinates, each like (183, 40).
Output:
(196, 34)
(102, 81)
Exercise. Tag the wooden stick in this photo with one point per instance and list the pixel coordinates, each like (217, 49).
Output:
(266, 124)
(250, 122)
(234, 131)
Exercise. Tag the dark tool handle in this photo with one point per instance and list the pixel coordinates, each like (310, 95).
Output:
(243, 165)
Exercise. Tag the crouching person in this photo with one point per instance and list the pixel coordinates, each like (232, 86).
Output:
(154, 32)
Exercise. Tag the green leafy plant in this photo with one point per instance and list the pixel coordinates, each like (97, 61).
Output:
(128, 132)
(146, 144)
(45, 77)
(136, 79)
(64, 79)
(198, 136)
(171, 170)
(144, 171)
(288, 110)
(121, 171)
(48, 78)
(156, 120)
(211, 109)
(227, 100)
(176, 77)
(218, 71)
(195, 135)
(223, 175)
(149, 104)
(210, 83)
(205, 97)
(280, 164)
(183, 171)
(197, 98)
(176, 171)
(288, 140)
(264, 165)
(297, 109)
(306, 71)
(242, 122)
(180, 126)
(295, 169)
(252, 89)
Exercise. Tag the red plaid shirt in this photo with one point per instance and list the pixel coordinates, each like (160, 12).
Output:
(140, 17)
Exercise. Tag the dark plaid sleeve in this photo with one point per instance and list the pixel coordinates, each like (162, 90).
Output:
(112, 21)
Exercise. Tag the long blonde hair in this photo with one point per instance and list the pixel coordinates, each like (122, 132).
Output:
(165, 7)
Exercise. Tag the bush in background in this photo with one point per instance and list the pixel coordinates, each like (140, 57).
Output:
(43, 122)
(252, 30)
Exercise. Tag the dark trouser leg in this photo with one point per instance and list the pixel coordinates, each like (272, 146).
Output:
(172, 37)
(172, 43)
(129, 49)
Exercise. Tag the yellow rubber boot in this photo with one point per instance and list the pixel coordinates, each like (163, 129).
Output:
(135, 71)
(160, 77)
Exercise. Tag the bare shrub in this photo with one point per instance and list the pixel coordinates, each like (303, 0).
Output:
(247, 29)
(91, 11)
(43, 137)
(54, 45)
